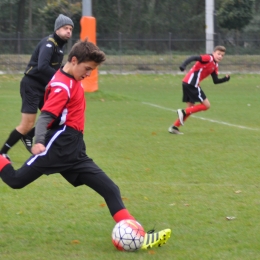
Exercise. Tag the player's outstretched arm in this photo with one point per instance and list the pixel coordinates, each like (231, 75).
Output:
(216, 80)
(188, 61)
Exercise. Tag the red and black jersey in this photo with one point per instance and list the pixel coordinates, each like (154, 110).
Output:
(65, 100)
(201, 69)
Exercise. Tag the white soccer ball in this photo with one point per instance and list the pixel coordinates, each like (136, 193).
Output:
(128, 235)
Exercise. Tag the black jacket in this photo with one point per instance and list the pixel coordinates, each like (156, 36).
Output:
(45, 61)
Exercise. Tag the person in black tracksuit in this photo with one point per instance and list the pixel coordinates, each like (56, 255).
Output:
(45, 61)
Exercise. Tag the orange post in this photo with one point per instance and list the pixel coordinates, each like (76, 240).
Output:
(88, 30)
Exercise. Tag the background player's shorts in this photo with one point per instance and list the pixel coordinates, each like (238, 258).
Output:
(32, 96)
(192, 94)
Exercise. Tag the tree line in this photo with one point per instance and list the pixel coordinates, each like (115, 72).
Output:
(137, 18)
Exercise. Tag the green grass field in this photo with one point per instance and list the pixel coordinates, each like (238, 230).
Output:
(189, 183)
(161, 62)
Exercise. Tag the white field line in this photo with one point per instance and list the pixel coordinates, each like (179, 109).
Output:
(206, 119)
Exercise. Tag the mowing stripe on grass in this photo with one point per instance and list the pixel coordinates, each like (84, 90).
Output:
(206, 119)
(185, 184)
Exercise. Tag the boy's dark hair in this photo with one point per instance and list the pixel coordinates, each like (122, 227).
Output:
(220, 48)
(86, 51)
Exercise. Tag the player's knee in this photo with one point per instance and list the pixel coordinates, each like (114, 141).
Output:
(15, 185)
(8, 177)
(12, 182)
(206, 105)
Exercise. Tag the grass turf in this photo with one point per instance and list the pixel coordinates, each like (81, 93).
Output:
(189, 183)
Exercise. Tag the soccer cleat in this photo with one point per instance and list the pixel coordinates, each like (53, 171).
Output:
(174, 130)
(156, 239)
(181, 116)
(27, 141)
(5, 155)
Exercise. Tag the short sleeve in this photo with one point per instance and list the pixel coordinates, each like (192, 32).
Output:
(206, 58)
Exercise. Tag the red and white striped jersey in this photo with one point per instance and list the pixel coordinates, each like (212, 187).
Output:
(201, 70)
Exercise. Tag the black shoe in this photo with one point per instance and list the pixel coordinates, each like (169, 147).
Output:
(27, 141)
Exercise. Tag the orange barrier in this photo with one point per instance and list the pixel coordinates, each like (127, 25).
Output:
(88, 30)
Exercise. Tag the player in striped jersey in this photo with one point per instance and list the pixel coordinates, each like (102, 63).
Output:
(204, 66)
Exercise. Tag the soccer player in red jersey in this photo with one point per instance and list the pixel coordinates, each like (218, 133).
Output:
(205, 65)
(59, 145)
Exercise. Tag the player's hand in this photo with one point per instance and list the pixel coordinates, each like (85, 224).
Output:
(228, 77)
(38, 148)
(182, 68)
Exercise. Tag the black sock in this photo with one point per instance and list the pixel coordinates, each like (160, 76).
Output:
(13, 138)
(31, 133)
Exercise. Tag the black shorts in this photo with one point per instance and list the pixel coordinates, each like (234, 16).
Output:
(32, 96)
(192, 94)
(66, 154)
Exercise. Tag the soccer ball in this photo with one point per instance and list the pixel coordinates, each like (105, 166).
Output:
(128, 235)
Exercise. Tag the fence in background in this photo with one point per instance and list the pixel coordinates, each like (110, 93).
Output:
(163, 53)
